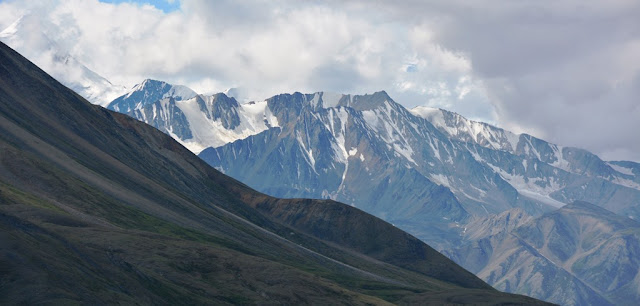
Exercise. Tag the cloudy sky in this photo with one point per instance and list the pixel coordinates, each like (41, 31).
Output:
(565, 71)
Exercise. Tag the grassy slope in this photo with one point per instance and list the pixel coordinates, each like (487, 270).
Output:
(96, 207)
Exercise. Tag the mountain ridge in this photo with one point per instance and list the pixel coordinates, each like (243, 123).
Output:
(147, 92)
(519, 170)
(443, 187)
(97, 207)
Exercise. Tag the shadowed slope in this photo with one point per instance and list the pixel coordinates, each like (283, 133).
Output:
(96, 207)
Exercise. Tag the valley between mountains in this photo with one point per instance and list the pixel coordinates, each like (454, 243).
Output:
(90, 196)
(99, 208)
(443, 178)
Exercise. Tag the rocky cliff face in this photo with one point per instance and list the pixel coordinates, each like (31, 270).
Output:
(580, 254)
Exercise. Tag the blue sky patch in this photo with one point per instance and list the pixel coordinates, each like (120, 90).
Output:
(166, 6)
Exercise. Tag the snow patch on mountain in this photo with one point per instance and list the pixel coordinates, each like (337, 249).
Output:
(513, 140)
(560, 162)
(339, 117)
(461, 128)
(440, 180)
(12, 29)
(255, 117)
(371, 118)
(626, 183)
(384, 120)
(434, 115)
(308, 152)
(536, 188)
(330, 99)
(621, 169)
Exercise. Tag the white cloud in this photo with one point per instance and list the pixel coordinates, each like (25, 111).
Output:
(265, 47)
(566, 71)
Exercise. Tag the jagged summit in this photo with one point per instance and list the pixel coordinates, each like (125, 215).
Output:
(151, 86)
(458, 127)
(368, 101)
(147, 92)
(325, 100)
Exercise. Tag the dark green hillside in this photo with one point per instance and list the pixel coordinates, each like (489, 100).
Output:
(97, 208)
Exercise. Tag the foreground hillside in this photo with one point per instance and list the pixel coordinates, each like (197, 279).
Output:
(96, 207)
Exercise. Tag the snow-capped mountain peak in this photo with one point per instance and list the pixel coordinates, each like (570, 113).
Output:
(148, 92)
(326, 100)
(370, 101)
(179, 92)
(12, 29)
(25, 36)
(196, 121)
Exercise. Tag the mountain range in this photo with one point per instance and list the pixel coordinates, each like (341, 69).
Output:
(457, 184)
(96, 207)
(431, 172)
(323, 145)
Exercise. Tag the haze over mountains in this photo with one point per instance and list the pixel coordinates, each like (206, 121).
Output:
(467, 188)
(25, 35)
